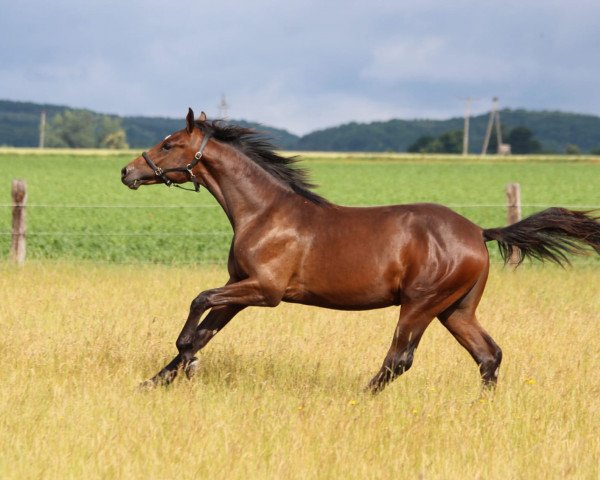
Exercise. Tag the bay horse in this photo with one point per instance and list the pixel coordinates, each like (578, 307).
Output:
(292, 245)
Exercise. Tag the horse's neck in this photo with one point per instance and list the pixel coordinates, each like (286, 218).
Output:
(243, 189)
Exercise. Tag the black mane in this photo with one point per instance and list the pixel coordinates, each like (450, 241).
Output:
(262, 152)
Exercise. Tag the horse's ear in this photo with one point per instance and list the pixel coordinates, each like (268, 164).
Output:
(202, 117)
(189, 120)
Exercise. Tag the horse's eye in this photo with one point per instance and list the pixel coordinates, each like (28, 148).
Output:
(166, 146)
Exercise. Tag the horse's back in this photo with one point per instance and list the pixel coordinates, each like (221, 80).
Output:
(397, 226)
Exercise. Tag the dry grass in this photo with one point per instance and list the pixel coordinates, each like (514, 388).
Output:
(278, 394)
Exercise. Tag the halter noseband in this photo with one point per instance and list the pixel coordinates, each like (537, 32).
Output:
(162, 173)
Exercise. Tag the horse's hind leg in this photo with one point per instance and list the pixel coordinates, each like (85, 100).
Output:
(413, 322)
(461, 322)
(471, 335)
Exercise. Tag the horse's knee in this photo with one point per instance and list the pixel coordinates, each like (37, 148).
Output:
(199, 303)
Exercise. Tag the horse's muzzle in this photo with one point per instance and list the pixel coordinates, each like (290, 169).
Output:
(133, 183)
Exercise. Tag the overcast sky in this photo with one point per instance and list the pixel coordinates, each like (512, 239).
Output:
(302, 64)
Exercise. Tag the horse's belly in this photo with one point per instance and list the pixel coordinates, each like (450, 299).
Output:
(346, 292)
(351, 266)
(350, 301)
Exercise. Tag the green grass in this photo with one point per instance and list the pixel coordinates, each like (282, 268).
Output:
(191, 228)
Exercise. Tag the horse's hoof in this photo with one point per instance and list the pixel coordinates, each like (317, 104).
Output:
(376, 385)
(192, 367)
(372, 389)
(162, 379)
(147, 385)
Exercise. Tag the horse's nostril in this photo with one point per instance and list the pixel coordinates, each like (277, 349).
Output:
(123, 172)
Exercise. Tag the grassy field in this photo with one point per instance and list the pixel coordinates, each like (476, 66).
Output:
(80, 210)
(279, 391)
(278, 394)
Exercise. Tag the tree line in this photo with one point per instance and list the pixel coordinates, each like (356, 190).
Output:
(520, 139)
(554, 132)
(85, 129)
(526, 131)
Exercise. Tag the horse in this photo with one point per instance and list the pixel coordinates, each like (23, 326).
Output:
(292, 245)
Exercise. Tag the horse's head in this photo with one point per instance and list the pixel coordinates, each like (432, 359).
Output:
(171, 161)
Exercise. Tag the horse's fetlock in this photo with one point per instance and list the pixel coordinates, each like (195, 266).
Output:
(489, 369)
(407, 364)
(498, 356)
(402, 362)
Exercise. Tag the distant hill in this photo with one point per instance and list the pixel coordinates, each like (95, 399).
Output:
(143, 132)
(20, 121)
(19, 126)
(555, 130)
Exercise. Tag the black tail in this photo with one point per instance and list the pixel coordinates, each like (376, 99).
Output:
(550, 234)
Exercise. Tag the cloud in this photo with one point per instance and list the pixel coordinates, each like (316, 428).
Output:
(434, 59)
(304, 64)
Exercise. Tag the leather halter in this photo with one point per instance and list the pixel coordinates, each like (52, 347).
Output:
(162, 173)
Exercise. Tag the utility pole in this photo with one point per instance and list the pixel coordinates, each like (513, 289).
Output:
(223, 107)
(468, 101)
(494, 118)
(498, 131)
(42, 128)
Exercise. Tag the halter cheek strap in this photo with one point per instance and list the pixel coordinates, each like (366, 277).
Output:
(159, 172)
(162, 173)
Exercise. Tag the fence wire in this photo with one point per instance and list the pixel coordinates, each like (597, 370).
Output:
(125, 233)
(217, 233)
(449, 205)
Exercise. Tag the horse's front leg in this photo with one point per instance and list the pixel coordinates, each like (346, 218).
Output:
(216, 319)
(225, 303)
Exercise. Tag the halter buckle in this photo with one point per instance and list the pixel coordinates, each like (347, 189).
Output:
(198, 155)
(189, 167)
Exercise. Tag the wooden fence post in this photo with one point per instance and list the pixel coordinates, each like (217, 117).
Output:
(513, 214)
(19, 227)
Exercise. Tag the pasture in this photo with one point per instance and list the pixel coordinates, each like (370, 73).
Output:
(279, 391)
(81, 211)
